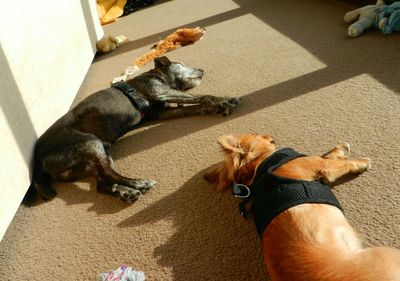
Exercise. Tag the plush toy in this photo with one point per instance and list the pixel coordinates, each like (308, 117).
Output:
(389, 18)
(366, 17)
(110, 43)
(180, 38)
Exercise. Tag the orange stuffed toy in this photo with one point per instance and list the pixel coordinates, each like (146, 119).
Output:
(181, 37)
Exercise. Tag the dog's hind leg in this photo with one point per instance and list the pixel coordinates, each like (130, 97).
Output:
(83, 155)
(107, 148)
(111, 182)
(108, 180)
(123, 192)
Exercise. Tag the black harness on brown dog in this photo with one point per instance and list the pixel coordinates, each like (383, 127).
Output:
(138, 102)
(273, 194)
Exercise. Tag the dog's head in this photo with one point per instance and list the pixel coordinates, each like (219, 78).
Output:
(177, 75)
(243, 154)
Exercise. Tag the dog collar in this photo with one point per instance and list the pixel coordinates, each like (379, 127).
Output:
(138, 102)
(274, 194)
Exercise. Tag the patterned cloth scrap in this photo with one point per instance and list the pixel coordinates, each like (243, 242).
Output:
(122, 273)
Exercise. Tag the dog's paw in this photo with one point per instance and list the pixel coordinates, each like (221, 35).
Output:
(340, 151)
(365, 164)
(144, 185)
(126, 194)
(132, 193)
(221, 106)
(344, 148)
(234, 101)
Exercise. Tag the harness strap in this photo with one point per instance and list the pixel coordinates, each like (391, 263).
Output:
(276, 159)
(138, 102)
(272, 160)
(273, 194)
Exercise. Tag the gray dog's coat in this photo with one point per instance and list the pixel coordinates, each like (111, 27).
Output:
(76, 146)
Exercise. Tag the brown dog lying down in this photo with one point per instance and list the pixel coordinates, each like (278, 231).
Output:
(305, 235)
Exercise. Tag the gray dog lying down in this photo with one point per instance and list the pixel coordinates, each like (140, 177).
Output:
(76, 146)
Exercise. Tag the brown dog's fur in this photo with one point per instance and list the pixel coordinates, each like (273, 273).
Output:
(312, 242)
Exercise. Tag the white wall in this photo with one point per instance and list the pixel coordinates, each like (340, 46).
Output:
(46, 48)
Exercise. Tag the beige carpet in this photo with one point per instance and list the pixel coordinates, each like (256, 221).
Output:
(302, 80)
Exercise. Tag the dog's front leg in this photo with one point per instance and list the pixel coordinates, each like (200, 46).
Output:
(174, 96)
(177, 112)
(219, 105)
(334, 169)
(208, 104)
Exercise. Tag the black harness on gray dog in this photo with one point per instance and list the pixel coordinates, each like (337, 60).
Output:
(138, 102)
(274, 194)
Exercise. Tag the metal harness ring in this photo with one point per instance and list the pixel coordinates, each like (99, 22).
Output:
(240, 190)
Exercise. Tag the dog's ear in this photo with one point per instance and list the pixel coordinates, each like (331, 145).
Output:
(230, 143)
(161, 62)
(222, 174)
(268, 138)
(257, 147)
(246, 174)
(218, 175)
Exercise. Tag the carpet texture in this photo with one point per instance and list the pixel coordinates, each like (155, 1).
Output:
(303, 81)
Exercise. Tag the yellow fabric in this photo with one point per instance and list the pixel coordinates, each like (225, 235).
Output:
(110, 10)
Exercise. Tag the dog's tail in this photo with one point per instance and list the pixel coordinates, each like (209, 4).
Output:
(31, 194)
(40, 185)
